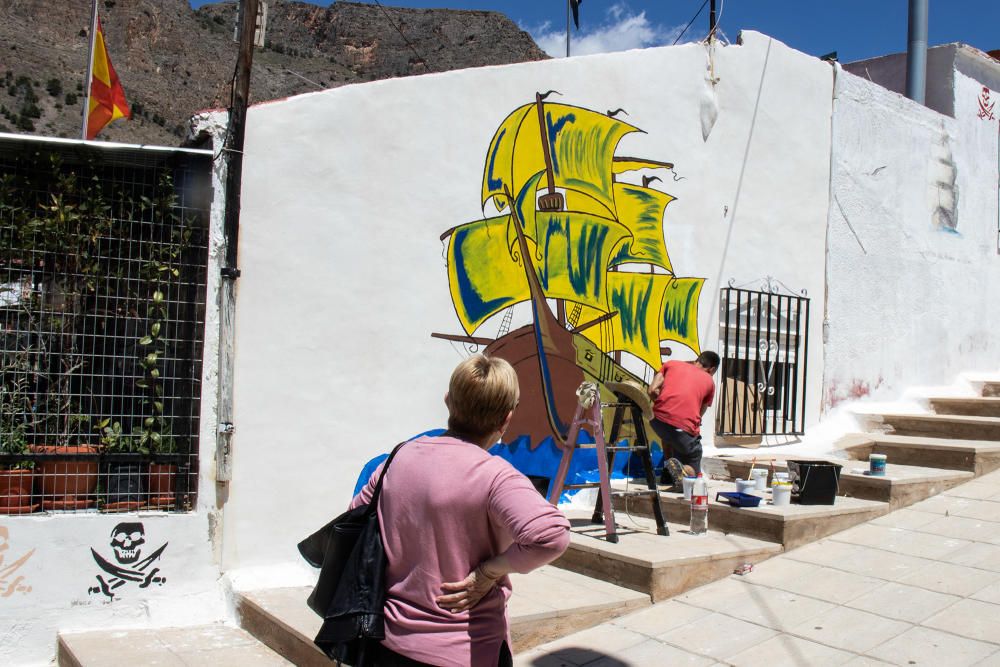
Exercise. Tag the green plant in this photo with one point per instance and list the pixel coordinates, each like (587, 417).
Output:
(115, 441)
(161, 274)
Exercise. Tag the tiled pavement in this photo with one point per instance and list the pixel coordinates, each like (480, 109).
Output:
(920, 586)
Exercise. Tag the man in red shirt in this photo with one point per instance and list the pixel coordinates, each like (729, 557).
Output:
(681, 392)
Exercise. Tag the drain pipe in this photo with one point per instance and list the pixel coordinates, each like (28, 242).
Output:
(916, 51)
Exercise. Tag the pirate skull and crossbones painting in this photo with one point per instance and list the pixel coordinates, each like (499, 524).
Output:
(128, 541)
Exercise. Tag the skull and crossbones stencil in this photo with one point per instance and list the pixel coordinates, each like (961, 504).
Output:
(128, 540)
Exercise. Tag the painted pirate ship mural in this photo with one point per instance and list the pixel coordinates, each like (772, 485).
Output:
(566, 228)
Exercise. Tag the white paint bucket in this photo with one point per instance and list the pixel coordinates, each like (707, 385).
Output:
(688, 483)
(759, 476)
(780, 477)
(781, 494)
(745, 485)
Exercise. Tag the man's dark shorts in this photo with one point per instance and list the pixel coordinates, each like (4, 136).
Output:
(683, 446)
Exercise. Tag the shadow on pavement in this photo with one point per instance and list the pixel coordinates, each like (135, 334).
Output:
(574, 655)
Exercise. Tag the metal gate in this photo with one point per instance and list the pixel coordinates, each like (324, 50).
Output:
(764, 340)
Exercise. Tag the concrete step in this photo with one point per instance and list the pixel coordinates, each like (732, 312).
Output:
(791, 526)
(166, 647)
(902, 485)
(660, 566)
(955, 427)
(988, 383)
(972, 406)
(546, 604)
(976, 456)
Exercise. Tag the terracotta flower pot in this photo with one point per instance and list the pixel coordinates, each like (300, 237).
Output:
(66, 483)
(15, 491)
(162, 479)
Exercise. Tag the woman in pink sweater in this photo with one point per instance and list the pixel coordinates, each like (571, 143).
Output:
(455, 522)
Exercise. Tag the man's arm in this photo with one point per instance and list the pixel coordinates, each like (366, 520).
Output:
(655, 385)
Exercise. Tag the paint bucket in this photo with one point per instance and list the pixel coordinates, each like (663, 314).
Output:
(876, 465)
(759, 476)
(688, 483)
(745, 485)
(781, 494)
(780, 477)
(818, 481)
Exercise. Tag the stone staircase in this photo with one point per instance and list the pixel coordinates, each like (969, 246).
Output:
(594, 581)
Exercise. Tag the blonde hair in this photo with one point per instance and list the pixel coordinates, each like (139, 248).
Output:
(481, 392)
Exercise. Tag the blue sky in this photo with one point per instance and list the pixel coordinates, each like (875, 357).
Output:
(856, 29)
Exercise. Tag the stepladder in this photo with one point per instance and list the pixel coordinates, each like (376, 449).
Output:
(628, 408)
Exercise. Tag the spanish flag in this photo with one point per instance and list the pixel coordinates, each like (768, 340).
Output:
(107, 98)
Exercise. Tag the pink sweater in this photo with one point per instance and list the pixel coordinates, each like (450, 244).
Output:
(446, 506)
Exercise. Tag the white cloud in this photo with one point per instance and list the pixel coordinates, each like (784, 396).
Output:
(621, 30)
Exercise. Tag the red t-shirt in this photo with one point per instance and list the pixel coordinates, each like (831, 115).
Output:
(686, 388)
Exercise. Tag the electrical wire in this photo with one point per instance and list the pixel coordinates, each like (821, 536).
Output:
(693, 19)
(718, 20)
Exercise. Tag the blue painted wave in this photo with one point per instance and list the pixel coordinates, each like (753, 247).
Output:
(543, 461)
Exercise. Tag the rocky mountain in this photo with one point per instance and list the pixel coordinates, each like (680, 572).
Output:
(174, 61)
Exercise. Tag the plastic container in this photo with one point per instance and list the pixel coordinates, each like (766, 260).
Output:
(699, 506)
(818, 481)
(876, 465)
(688, 485)
(759, 476)
(738, 499)
(781, 493)
(745, 485)
(780, 477)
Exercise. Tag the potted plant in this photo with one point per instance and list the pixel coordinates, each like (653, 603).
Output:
(16, 477)
(122, 478)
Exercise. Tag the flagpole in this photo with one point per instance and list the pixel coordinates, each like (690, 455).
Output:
(90, 68)
(567, 27)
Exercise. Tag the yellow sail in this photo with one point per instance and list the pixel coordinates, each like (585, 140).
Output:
(582, 146)
(680, 312)
(483, 276)
(640, 210)
(646, 304)
(570, 253)
(499, 170)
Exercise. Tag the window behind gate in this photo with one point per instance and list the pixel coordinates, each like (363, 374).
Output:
(763, 336)
(103, 256)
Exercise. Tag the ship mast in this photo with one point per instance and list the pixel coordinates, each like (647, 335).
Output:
(552, 201)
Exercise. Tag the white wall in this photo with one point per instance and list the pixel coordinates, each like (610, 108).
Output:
(911, 298)
(346, 192)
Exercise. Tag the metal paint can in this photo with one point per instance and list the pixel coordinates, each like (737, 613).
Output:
(876, 465)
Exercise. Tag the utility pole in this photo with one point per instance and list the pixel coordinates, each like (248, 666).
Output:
(916, 51)
(711, 19)
(233, 156)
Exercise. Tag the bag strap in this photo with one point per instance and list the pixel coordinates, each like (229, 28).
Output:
(373, 503)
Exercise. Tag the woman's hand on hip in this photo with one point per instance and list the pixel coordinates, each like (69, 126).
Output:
(464, 595)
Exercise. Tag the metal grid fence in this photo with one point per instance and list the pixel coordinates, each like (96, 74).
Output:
(103, 257)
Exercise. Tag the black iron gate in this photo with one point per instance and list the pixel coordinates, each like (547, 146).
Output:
(764, 341)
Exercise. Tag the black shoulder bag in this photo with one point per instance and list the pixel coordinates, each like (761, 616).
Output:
(350, 593)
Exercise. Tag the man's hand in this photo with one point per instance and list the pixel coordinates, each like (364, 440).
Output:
(468, 592)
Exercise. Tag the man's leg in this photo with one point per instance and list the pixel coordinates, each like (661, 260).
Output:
(687, 450)
(668, 441)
